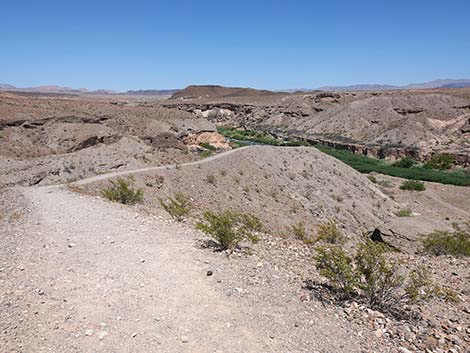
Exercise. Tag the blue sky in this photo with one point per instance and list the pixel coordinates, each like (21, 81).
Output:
(265, 44)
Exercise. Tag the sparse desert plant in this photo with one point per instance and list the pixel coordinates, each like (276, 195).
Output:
(420, 287)
(300, 232)
(372, 179)
(178, 206)
(405, 212)
(330, 233)
(440, 161)
(120, 190)
(439, 242)
(229, 228)
(405, 162)
(368, 274)
(413, 185)
(378, 279)
(207, 146)
(335, 264)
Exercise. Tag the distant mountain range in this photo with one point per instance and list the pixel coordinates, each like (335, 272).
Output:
(169, 92)
(426, 85)
(68, 90)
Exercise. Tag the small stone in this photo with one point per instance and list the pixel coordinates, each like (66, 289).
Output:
(133, 334)
(89, 332)
(378, 333)
(404, 350)
(184, 339)
(142, 260)
(71, 245)
(209, 273)
(102, 335)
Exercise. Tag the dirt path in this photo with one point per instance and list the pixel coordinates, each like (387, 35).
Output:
(96, 276)
(149, 169)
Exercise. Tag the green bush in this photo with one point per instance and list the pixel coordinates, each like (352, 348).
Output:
(440, 161)
(178, 206)
(406, 212)
(377, 278)
(329, 232)
(369, 275)
(229, 228)
(335, 264)
(413, 185)
(120, 191)
(455, 243)
(372, 179)
(405, 162)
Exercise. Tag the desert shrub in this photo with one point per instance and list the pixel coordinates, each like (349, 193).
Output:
(120, 190)
(413, 185)
(178, 206)
(378, 279)
(229, 228)
(405, 162)
(420, 287)
(330, 233)
(372, 179)
(336, 265)
(405, 212)
(370, 276)
(207, 146)
(299, 231)
(440, 161)
(455, 243)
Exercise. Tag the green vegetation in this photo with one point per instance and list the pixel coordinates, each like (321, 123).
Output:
(299, 231)
(368, 274)
(413, 185)
(228, 227)
(406, 212)
(205, 154)
(363, 163)
(405, 162)
(257, 137)
(178, 206)
(329, 232)
(455, 243)
(440, 161)
(120, 190)
(207, 146)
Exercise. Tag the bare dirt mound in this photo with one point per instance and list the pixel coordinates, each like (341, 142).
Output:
(283, 186)
(210, 91)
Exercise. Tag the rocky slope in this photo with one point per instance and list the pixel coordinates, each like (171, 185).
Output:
(385, 124)
(44, 140)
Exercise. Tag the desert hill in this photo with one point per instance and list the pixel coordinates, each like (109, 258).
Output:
(283, 186)
(419, 122)
(212, 91)
(45, 140)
